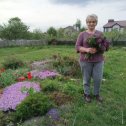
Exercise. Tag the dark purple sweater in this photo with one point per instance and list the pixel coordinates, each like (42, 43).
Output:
(81, 42)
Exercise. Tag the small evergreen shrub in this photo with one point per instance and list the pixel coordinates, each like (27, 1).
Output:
(71, 89)
(34, 105)
(49, 85)
(12, 63)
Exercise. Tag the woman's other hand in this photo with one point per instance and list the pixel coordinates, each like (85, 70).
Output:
(91, 50)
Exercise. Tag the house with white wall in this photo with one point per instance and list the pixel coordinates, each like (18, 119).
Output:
(117, 25)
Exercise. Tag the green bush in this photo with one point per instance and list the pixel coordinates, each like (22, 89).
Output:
(7, 78)
(34, 105)
(67, 66)
(12, 63)
(50, 85)
(70, 88)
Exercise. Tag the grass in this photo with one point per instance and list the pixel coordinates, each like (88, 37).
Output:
(112, 112)
(35, 53)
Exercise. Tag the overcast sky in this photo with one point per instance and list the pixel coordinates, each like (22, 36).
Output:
(41, 14)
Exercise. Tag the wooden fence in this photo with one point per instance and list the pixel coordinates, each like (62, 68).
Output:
(122, 43)
(12, 43)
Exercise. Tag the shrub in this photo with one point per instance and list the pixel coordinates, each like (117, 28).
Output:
(12, 63)
(7, 78)
(50, 85)
(34, 105)
(60, 98)
(10, 76)
(72, 89)
(67, 66)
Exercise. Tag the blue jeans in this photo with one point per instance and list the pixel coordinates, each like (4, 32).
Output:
(92, 70)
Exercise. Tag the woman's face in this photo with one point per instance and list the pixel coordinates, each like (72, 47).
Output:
(91, 23)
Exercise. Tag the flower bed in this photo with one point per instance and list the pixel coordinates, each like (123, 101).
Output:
(13, 95)
(41, 65)
(43, 74)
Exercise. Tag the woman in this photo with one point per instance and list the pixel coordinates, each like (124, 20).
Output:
(91, 67)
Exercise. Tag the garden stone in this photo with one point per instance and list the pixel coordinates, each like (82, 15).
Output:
(53, 114)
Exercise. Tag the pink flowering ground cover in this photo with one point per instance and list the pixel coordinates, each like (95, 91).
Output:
(43, 74)
(13, 95)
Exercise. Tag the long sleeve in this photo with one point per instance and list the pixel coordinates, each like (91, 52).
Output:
(106, 45)
(79, 42)
(82, 42)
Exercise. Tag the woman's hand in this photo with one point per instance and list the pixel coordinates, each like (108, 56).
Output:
(91, 50)
(94, 50)
(88, 50)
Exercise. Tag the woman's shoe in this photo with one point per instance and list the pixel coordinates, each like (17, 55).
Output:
(98, 98)
(87, 98)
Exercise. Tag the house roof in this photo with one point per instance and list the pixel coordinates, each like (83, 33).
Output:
(111, 23)
(70, 28)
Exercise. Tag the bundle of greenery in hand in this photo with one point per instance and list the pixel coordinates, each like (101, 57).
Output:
(100, 43)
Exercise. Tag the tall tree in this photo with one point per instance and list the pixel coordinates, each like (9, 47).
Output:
(78, 24)
(37, 34)
(52, 31)
(15, 29)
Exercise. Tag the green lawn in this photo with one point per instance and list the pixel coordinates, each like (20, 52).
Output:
(112, 112)
(35, 53)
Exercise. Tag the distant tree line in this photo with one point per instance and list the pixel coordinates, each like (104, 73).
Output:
(16, 29)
